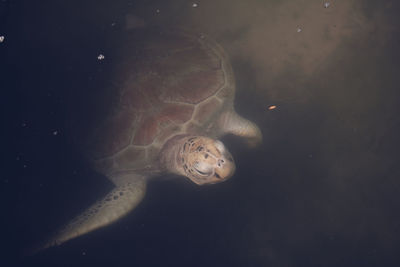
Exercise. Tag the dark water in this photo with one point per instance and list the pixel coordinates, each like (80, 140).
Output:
(322, 190)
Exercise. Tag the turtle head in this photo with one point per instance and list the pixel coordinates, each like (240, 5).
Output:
(205, 160)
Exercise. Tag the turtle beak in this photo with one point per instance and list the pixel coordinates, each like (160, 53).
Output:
(225, 166)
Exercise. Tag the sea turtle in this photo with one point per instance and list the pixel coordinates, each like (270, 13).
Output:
(169, 99)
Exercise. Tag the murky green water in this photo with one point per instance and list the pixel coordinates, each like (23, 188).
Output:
(323, 188)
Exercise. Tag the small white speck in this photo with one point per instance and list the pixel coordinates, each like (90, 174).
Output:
(83, 253)
(23, 124)
(100, 57)
(195, 5)
(327, 4)
(299, 29)
(55, 132)
(113, 24)
(24, 166)
(157, 11)
(2, 38)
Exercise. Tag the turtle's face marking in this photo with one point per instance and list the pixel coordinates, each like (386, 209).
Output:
(206, 161)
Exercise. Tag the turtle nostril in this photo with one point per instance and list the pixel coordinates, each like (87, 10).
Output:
(220, 162)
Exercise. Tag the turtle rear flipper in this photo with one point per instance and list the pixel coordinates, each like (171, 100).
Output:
(122, 199)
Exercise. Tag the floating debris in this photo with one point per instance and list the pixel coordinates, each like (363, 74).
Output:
(271, 107)
(157, 11)
(55, 132)
(299, 29)
(327, 4)
(100, 57)
(113, 24)
(195, 5)
(2, 38)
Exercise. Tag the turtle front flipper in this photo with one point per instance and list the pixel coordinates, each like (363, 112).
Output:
(233, 123)
(122, 199)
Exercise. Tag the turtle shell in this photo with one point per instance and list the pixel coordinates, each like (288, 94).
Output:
(159, 84)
